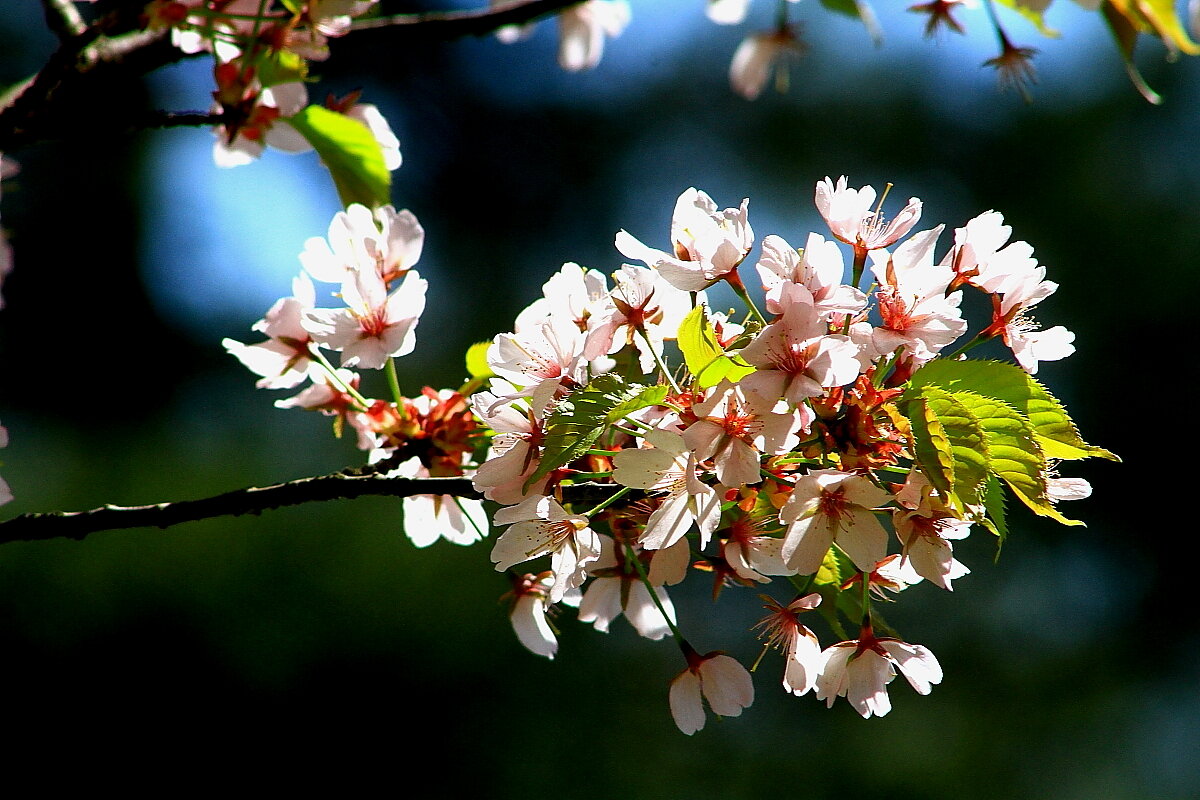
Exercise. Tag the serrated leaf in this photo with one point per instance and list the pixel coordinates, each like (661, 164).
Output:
(1013, 453)
(705, 358)
(573, 427)
(477, 363)
(1033, 15)
(997, 512)
(350, 153)
(1055, 431)
(950, 446)
(1159, 18)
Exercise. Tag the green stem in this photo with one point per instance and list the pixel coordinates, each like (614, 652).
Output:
(735, 283)
(658, 360)
(866, 599)
(641, 571)
(607, 502)
(389, 367)
(346, 388)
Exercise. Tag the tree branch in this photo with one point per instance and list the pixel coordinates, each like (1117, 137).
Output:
(453, 24)
(253, 500)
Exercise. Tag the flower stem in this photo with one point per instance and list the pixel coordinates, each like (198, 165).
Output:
(658, 360)
(607, 502)
(345, 387)
(393, 380)
(735, 283)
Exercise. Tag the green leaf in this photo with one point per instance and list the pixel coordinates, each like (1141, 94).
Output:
(950, 445)
(1055, 431)
(1033, 16)
(274, 67)
(477, 365)
(1013, 453)
(997, 512)
(350, 153)
(836, 569)
(705, 358)
(1159, 18)
(574, 426)
(1125, 35)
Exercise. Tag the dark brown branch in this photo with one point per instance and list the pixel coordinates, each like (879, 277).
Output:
(253, 500)
(453, 24)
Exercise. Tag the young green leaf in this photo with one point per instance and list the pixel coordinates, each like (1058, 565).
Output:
(705, 358)
(350, 153)
(950, 445)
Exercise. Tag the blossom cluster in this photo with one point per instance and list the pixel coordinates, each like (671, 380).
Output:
(795, 446)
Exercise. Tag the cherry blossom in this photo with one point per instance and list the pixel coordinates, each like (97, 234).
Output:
(429, 517)
(669, 465)
(259, 117)
(814, 277)
(582, 30)
(283, 360)
(828, 505)
(642, 310)
(797, 359)
(714, 677)
(540, 526)
(616, 589)
(707, 244)
(375, 326)
(5, 493)
(735, 432)
(861, 669)
(529, 614)
(384, 241)
(782, 629)
(850, 217)
(515, 450)
(761, 55)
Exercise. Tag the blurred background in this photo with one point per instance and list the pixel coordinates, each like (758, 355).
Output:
(321, 633)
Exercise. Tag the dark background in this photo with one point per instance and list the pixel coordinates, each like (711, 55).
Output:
(321, 638)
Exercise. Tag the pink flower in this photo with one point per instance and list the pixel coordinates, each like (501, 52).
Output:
(707, 244)
(782, 628)
(540, 527)
(283, 360)
(814, 278)
(714, 677)
(616, 589)
(735, 432)
(375, 326)
(850, 217)
(669, 465)
(861, 669)
(5, 492)
(529, 613)
(826, 506)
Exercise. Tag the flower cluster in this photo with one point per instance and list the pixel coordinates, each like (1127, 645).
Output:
(831, 444)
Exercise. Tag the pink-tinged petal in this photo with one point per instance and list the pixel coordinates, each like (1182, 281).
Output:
(669, 565)
(726, 685)
(669, 523)
(687, 708)
(644, 615)
(832, 677)
(522, 542)
(864, 539)
(807, 541)
(916, 663)
(867, 677)
(601, 603)
(803, 663)
(529, 622)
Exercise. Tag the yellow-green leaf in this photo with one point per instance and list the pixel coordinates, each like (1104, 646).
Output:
(1033, 16)
(1055, 431)
(1159, 18)
(477, 364)
(950, 446)
(705, 358)
(350, 153)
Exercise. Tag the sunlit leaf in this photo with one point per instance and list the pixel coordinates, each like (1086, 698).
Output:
(950, 445)
(1055, 431)
(705, 358)
(350, 153)
(1033, 15)
(1159, 18)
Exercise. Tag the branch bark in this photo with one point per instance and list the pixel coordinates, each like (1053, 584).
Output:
(41, 107)
(252, 500)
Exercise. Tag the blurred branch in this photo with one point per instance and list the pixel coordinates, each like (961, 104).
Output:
(45, 105)
(452, 24)
(253, 500)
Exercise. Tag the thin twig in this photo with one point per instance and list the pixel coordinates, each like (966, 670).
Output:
(253, 500)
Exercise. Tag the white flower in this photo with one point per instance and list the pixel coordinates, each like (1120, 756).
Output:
(850, 217)
(706, 243)
(861, 669)
(829, 505)
(715, 677)
(582, 30)
(543, 527)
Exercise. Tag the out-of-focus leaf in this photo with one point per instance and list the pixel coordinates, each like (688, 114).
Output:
(1159, 18)
(1034, 15)
(1126, 35)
